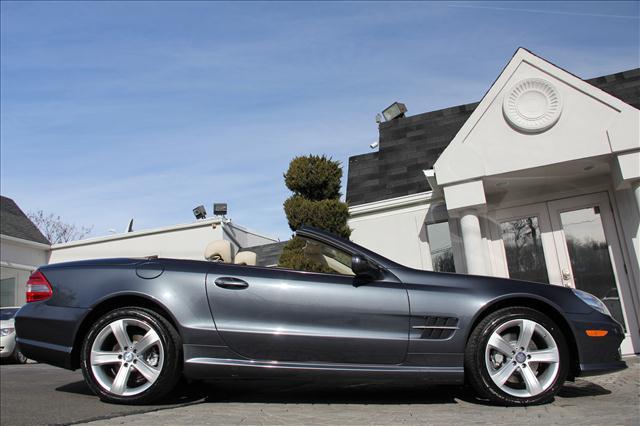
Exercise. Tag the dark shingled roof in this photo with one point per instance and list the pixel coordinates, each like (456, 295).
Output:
(267, 254)
(623, 85)
(14, 223)
(409, 145)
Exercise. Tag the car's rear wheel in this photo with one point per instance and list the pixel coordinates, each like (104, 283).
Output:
(517, 356)
(132, 356)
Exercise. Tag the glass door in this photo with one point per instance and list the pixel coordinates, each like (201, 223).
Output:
(523, 242)
(590, 257)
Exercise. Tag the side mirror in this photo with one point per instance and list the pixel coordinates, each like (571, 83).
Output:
(363, 268)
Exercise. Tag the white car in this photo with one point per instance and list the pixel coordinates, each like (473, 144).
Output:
(8, 348)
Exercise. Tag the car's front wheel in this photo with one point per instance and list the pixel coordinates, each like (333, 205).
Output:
(517, 356)
(132, 356)
(19, 357)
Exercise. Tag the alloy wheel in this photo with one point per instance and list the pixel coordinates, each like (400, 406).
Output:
(127, 357)
(522, 358)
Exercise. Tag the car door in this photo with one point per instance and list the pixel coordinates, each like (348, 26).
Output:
(285, 315)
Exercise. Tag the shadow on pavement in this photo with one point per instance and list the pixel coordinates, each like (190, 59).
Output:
(287, 392)
(582, 388)
(79, 388)
(281, 392)
(273, 391)
(181, 395)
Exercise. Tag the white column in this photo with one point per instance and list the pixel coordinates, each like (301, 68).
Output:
(635, 186)
(472, 240)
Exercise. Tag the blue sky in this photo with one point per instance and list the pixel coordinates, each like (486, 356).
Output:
(114, 110)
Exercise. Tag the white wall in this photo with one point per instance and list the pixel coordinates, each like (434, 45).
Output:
(630, 236)
(179, 242)
(21, 252)
(398, 235)
(18, 258)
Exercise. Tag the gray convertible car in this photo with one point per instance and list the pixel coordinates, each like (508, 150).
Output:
(136, 326)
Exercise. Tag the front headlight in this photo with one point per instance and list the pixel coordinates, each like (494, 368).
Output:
(592, 301)
(6, 331)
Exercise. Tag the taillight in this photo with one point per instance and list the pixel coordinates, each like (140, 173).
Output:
(38, 288)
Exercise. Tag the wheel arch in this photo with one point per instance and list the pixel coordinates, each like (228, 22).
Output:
(109, 304)
(542, 305)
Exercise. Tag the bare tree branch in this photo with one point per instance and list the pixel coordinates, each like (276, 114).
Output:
(55, 229)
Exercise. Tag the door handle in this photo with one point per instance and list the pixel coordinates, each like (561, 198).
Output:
(231, 283)
(566, 274)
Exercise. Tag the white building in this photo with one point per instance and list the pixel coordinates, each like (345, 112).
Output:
(539, 181)
(22, 249)
(186, 241)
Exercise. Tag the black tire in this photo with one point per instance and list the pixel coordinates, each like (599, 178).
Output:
(477, 371)
(170, 372)
(18, 357)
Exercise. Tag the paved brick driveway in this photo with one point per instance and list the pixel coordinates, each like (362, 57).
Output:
(605, 400)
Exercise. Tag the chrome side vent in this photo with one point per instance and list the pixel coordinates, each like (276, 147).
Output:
(437, 327)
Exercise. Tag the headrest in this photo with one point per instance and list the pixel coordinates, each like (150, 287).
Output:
(245, 258)
(218, 251)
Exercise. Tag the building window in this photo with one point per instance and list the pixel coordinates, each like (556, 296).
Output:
(12, 286)
(8, 292)
(523, 248)
(440, 247)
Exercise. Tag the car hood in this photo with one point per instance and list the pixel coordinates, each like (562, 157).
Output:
(493, 288)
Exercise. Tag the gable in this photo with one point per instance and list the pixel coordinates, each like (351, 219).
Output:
(537, 114)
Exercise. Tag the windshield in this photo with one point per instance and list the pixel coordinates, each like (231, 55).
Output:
(306, 254)
(8, 313)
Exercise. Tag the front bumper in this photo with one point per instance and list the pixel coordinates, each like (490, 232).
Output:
(602, 368)
(597, 355)
(7, 345)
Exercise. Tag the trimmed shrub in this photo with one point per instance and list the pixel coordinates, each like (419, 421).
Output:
(293, 257)
(315, 183)
(314, 177)
(328, 215)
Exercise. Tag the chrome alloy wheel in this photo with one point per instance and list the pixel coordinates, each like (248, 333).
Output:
(522, 358)
(127, 357)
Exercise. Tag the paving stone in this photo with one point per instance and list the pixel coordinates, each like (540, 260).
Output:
(612, 399)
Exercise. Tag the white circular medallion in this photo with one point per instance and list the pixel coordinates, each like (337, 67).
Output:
(532, 105)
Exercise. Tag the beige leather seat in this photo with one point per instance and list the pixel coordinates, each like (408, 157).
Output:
(245, 258)
(218, 251)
